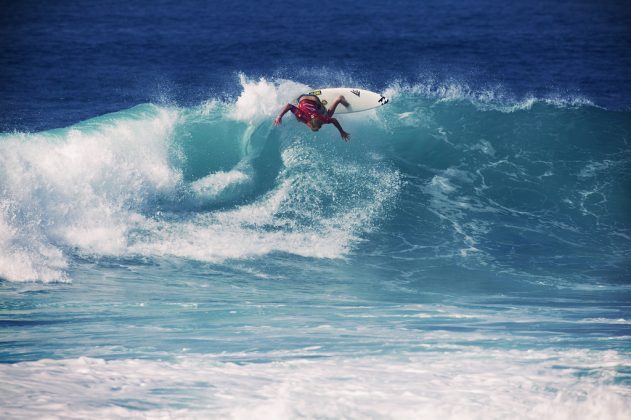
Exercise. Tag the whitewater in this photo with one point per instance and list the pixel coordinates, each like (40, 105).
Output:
(466, 255)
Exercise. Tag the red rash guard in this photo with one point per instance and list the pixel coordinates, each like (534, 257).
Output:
(307, 110)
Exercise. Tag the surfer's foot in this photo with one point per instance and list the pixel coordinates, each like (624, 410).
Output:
(343, 101)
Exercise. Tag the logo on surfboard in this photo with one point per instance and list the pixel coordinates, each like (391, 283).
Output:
(355, 92)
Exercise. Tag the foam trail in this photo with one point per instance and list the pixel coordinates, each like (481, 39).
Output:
(461, 385)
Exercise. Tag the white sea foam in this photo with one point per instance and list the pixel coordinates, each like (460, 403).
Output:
(465, 384)
(213, 185)
(263, 98)
(290, 218)
(24, 255)
(78, 188)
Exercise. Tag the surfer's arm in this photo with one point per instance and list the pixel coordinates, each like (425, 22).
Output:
(344, 134)
(279, 118)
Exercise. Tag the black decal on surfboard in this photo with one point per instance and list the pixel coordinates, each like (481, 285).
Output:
(383, 100)
(356, 92)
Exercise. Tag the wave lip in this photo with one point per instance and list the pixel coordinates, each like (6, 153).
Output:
(494, 98)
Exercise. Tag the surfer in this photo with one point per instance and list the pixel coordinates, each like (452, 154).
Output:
(311, 112)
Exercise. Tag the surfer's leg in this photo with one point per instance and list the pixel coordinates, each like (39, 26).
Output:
(340, 100)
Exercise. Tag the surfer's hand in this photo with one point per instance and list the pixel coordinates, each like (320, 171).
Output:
(345, 136)
(277, 120)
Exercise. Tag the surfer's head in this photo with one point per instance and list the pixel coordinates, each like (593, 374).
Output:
(315, 124)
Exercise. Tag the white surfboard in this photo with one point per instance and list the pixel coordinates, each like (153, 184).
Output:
(358, 99)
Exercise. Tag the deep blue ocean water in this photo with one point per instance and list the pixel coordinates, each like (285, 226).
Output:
(166, 252)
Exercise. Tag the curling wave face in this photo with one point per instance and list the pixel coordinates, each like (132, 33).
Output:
(441, 172)
(208, 183)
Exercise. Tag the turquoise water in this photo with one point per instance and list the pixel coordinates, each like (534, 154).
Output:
(466, 255)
